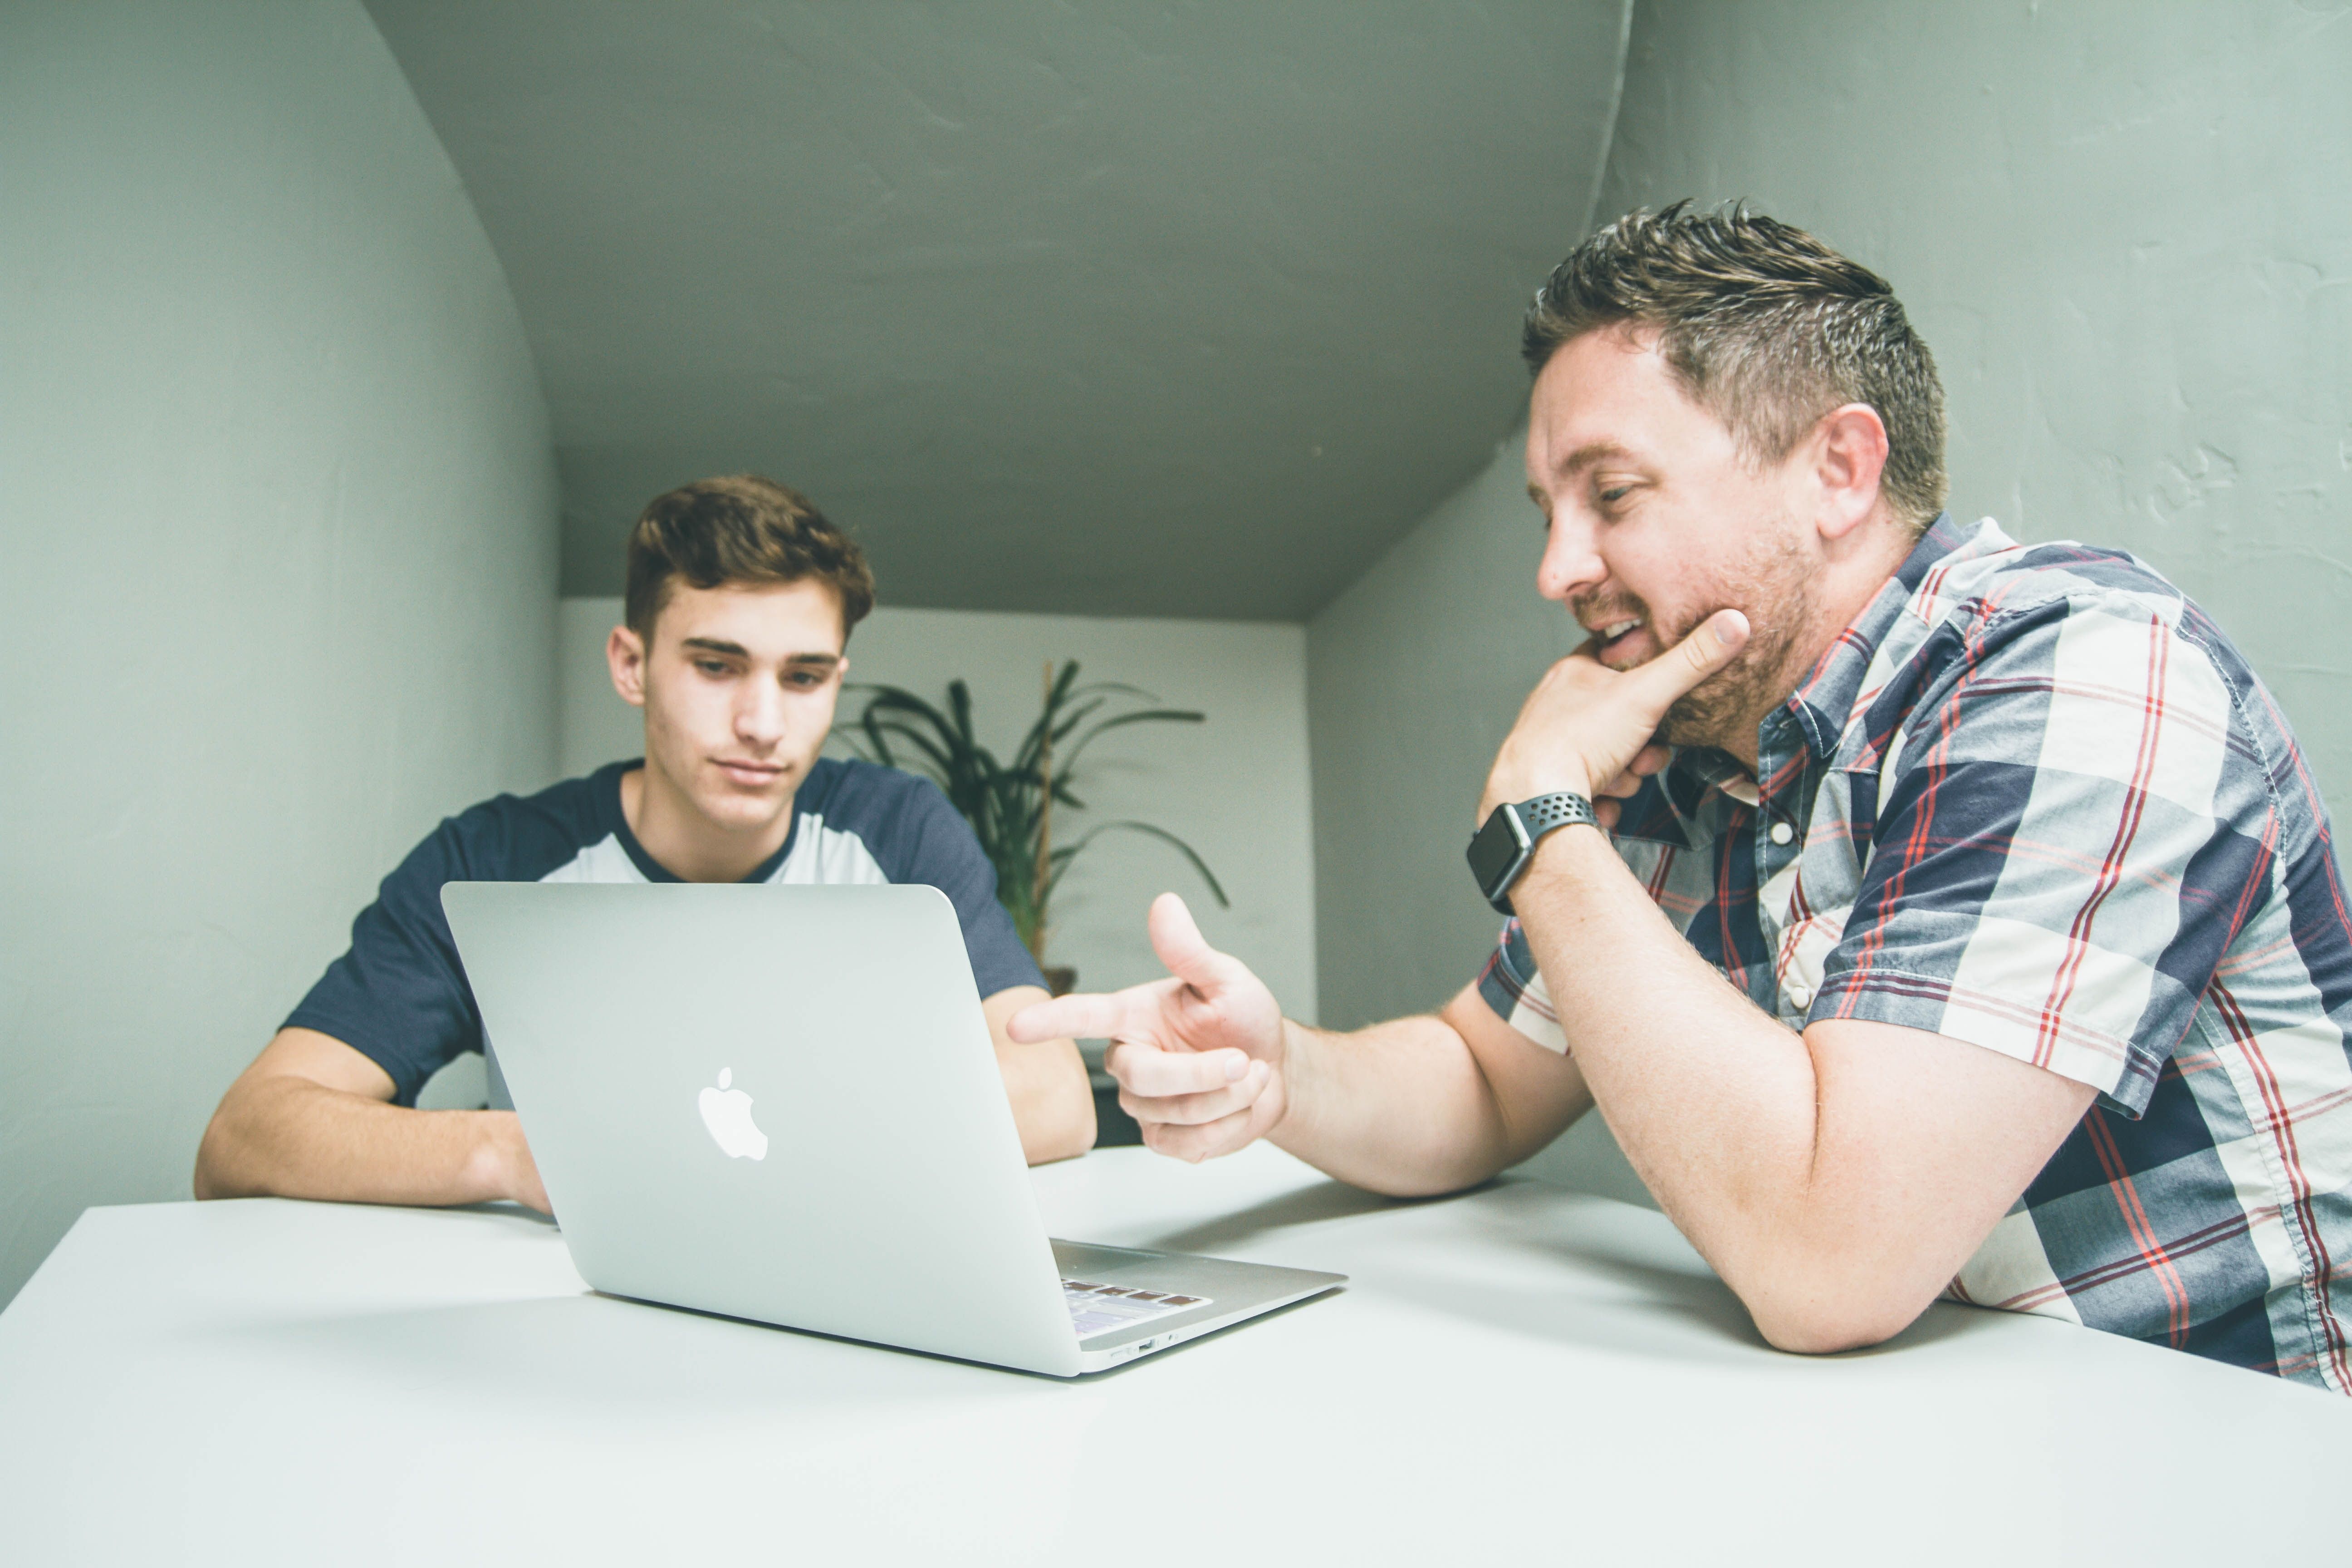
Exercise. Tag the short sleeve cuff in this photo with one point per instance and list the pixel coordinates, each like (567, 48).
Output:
(408, 1076)
(1510, 986)
(2019, 1030)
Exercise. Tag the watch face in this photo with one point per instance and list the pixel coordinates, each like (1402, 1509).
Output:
(1494, 850)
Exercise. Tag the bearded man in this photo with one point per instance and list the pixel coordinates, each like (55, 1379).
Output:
(1925, 912)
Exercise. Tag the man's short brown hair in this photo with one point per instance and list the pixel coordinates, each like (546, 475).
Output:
(1763, 326)
(740, 529)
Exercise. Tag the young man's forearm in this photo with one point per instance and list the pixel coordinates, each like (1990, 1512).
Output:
(286, 1136)
(1053, 1102)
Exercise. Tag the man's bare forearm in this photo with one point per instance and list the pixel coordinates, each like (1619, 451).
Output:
(1399, 1107)
(1053, 1102)
(287, 1136)
(1682, 1064)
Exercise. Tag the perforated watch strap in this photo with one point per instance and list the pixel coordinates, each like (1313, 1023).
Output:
(1546, 812)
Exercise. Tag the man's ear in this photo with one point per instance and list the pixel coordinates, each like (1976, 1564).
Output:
(1849, 454)
(625, 651)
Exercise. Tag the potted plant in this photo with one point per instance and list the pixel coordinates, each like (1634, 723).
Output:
(1011, 805)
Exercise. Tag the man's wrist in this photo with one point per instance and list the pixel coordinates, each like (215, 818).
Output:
(1298, 1068)
(1504, 846)
(1561, 856)
(490, 1165)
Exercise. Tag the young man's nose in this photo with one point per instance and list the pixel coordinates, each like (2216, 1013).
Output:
(759, 714)
(1571, 564)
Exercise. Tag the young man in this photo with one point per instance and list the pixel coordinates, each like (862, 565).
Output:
(1926, 913)
(741, 601)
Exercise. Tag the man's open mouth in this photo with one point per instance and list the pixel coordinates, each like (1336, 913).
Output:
(1613, 636)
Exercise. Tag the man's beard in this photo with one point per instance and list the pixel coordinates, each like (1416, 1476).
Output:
(1724, 709)
(1730, 703)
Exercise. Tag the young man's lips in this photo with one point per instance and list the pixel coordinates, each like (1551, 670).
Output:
(752, 772)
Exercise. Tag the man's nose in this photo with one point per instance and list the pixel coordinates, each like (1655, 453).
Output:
(759, 714)
(1570, 564)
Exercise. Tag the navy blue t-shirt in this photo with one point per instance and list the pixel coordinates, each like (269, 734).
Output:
(399, 996)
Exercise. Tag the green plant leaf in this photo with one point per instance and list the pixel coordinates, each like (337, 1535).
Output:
(1147, 716)
(1062, 858)
(1006, 804)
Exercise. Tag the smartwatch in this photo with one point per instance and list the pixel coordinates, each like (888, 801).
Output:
(1500, 850)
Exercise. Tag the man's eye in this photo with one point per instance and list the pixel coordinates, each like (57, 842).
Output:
(710, 667)
(1614, 494)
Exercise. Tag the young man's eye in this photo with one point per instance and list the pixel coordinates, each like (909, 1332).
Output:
(710, 667)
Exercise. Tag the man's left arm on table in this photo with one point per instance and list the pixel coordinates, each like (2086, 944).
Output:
(1053, 1102)
(1836, 1180)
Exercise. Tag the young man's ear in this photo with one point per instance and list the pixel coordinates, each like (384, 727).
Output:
(1849, 454)
(625, 651)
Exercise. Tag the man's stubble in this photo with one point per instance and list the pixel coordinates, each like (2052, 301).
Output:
(1773, 578)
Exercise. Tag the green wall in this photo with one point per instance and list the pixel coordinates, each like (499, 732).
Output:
(278, 516)
(2123, 230)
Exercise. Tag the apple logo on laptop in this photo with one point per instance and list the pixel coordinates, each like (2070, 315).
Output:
(727, 1114)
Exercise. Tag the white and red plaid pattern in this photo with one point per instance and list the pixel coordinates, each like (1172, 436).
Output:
(2039, 803)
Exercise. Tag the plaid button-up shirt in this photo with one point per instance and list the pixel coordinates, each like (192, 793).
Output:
(2034, 799)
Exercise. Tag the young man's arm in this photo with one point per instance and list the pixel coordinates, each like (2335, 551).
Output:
(1053, 1104)
(313, 1117)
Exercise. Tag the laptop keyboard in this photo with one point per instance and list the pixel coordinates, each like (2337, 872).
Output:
(1097, 1308)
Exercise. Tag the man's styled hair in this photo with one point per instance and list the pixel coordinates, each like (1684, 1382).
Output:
(740, 529)
(1763, 326)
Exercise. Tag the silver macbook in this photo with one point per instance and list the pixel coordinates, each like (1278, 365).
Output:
(781, 1104)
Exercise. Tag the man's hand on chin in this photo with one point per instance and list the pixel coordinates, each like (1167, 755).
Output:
(1592, 731)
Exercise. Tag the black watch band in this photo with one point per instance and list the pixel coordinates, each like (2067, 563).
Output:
(1501, 849)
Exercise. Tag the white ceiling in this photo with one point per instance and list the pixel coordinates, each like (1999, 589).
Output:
(1118, 308)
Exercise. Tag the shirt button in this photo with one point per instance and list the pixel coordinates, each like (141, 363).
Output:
(1781, 833)
(1799, 997)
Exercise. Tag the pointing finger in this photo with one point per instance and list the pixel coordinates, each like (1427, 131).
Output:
(1081, 1018)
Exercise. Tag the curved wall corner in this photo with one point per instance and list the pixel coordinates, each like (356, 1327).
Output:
(278, 516)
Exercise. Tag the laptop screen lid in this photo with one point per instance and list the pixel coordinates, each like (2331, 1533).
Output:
(777, 1103)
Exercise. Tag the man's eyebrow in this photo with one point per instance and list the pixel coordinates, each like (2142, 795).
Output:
(737, 650)
(1586, 456)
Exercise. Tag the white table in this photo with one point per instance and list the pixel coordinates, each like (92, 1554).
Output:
(1517, 1371)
